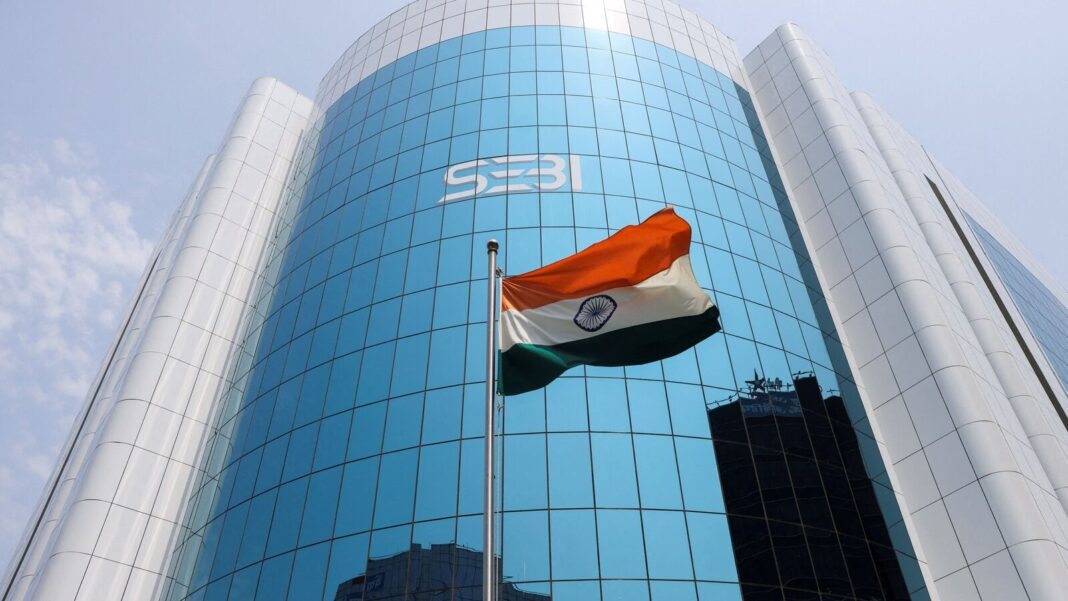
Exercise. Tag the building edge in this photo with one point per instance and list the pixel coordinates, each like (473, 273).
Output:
(759, 78)
(99, 534)
(42, 520)
(1031, 395)
(967, 473)
(246, 337)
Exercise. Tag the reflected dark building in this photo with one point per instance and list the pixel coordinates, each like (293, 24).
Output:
(426, 574)
(803, 514)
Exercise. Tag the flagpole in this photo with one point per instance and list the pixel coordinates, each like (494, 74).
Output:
(489, 581)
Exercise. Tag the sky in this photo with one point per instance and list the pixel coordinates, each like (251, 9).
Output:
(109, 108)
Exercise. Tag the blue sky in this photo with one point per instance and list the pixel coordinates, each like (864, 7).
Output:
(110, 107)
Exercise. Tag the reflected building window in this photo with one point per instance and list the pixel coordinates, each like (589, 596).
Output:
(427, 574)
(802, 511)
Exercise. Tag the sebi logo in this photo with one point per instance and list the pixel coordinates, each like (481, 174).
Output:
(512, 174)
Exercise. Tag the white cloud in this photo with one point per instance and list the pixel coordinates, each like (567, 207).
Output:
(69, 258)
(69, 154)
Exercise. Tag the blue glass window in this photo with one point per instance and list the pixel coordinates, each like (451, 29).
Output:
(355, 468)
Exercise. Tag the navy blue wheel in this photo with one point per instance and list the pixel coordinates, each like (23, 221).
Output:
(595, 312)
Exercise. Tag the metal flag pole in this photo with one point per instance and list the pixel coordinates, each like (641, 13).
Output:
(489, 573)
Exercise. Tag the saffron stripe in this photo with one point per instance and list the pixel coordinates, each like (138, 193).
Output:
(671, 293)
(631, 255)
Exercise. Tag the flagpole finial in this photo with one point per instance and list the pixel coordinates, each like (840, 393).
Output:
(492, 246)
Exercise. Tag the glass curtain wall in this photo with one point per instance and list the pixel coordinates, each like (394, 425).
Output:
(349, 462)
(1045, 314)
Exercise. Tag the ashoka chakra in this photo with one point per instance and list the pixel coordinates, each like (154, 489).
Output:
(595, 312)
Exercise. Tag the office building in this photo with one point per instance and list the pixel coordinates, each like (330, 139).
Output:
(292, 408)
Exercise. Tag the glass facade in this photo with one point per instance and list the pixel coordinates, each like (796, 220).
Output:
(1045, 314)
(797, 493)
(348, 459)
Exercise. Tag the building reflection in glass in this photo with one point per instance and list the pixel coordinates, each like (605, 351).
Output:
(802, 512)
(426, 574)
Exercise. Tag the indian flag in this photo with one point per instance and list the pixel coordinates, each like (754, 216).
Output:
(627, 300)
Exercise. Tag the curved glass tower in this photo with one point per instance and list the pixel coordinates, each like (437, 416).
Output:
(347, 457)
